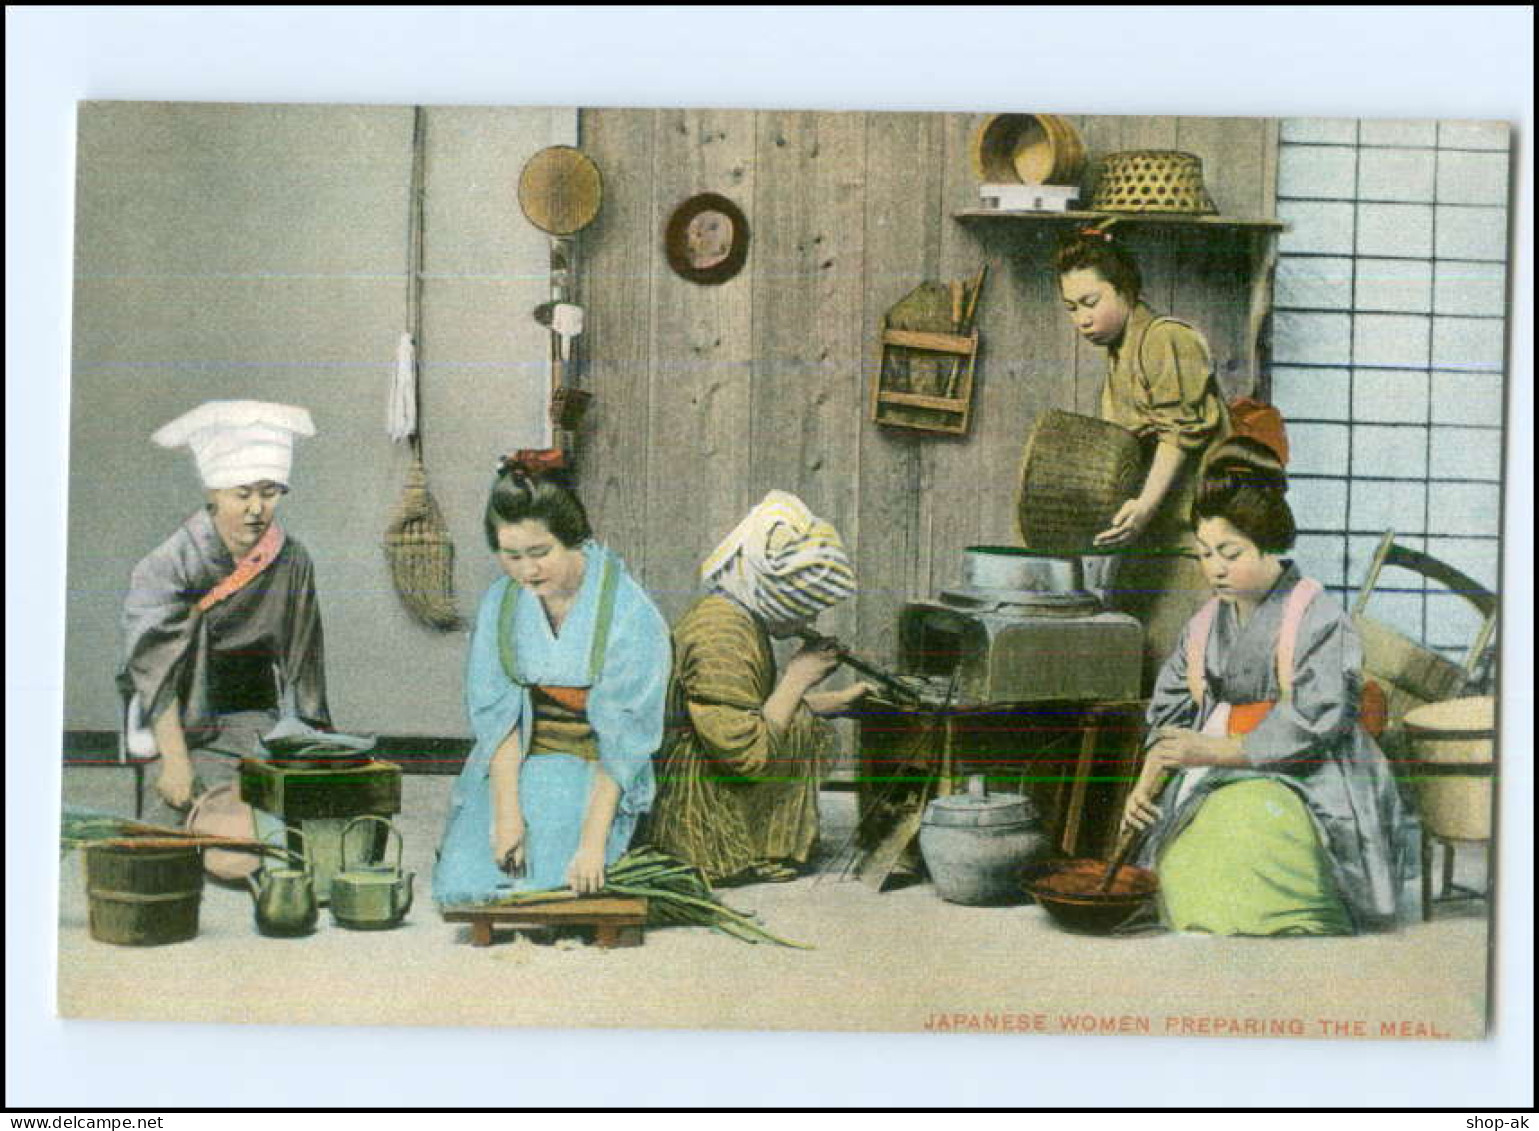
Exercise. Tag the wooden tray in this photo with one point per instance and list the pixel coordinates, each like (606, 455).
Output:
(616, 920)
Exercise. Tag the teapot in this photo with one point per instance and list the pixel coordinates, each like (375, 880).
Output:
(371, 897)
(285, 896)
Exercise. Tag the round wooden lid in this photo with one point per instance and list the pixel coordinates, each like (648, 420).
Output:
(1473, 717)
(560, 190)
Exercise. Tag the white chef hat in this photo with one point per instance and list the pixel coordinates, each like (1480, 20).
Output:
(239, 442)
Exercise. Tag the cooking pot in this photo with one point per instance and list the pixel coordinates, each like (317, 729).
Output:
(371, 897)
(1008, 567)
(975, 843)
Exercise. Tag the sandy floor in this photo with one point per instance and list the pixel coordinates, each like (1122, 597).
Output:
(901, 961)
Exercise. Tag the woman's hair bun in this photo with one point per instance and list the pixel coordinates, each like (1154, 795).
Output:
(1241, 460)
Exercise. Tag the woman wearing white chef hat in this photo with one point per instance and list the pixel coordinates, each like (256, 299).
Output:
(222, 628)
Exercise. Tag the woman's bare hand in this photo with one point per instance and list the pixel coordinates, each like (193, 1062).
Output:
(585, 874)
(174, 783)
(1127, 524)
(508, 844)
(1140, 811)
(832, 702)
(812, 664)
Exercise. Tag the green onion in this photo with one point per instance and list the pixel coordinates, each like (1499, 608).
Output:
(677, 894)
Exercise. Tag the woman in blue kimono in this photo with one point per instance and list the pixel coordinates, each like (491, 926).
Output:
(1270, 810)
(567, 677)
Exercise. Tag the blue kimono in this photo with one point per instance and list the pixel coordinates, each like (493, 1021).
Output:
(625, 708)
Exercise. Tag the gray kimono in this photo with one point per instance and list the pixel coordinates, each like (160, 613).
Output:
(171, 649)
(1312, 743)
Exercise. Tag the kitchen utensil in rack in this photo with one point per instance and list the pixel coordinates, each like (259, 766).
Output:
(560, 192)
(924, 380)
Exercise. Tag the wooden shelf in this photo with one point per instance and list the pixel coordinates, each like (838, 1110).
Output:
(1167, 219)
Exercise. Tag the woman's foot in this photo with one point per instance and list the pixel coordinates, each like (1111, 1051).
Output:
(773, 872)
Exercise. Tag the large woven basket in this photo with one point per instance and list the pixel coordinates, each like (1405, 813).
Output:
(1152, 180)
(1034, 149)
(1076, 472)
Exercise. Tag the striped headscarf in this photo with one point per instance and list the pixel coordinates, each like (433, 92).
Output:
(782, 561)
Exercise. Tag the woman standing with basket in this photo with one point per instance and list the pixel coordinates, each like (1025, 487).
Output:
(1160, 385)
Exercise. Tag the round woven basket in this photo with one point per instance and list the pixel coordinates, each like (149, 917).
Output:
(1076, 472)
(1032, 149)
(1152, 180)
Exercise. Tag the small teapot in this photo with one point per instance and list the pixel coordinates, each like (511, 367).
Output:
(285, 897)
(371, 897)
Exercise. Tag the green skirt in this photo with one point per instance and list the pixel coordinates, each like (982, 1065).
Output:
(1250, 863)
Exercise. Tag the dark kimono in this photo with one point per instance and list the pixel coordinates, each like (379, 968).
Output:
(259, 648)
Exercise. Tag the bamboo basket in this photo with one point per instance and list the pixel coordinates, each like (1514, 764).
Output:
(1152, 180)
(1075, 473)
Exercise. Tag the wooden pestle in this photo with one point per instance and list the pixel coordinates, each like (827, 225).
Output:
(1126, 839)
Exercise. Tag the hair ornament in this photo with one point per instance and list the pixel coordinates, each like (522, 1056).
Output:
(532, 461)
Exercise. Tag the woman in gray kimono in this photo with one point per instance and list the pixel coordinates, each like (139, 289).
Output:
(1270, 810)
(221, 624)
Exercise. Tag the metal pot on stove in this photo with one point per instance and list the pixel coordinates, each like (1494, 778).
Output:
(1020, 571)
(974, 844)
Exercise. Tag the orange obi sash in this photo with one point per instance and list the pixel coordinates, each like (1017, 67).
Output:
(574, 699)
(1246, 717)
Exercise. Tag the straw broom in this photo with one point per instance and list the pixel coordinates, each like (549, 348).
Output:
(417, 542)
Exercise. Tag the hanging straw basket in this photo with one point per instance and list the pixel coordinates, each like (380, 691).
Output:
(1076, 472)
(1152, 180)
(421, 554)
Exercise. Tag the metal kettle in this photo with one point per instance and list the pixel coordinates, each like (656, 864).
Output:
(285, 897)
(371, 897)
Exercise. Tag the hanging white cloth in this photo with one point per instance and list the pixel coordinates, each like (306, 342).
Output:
(402, 419)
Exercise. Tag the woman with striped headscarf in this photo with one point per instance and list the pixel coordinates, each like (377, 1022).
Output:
(740, 773)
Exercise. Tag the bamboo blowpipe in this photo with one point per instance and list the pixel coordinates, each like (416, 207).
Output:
(865, 667)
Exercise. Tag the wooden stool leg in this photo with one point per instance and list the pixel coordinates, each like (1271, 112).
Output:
(604, 935)
(1448, 868)
(1082, 767)
(481, 932)
(1426, 876)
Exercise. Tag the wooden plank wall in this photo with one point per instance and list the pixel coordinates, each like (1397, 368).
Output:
(707, 396)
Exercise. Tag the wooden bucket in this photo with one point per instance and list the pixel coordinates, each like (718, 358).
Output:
(143, 896)
(1458, 732)
(1032, 149)
(1076, 472)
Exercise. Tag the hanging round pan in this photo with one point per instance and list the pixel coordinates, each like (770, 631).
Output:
(560, 190)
